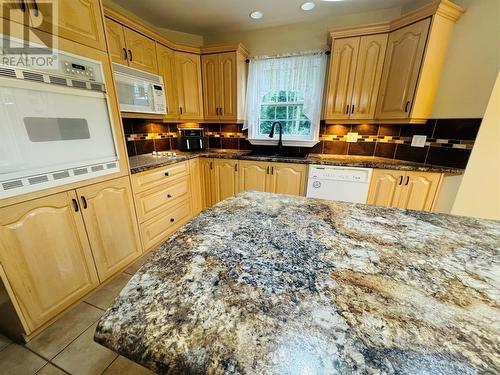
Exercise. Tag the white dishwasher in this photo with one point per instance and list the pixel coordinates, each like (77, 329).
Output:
(349, 184)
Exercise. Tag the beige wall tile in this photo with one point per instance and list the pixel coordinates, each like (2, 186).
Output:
(104, 296)
(62, 332)
(84, 356)
(17, 360)
(123, 366)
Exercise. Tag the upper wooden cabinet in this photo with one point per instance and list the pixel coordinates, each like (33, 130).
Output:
(405, 52)
(166, 68)
(188, 80)
(354, 79)
(109, 215)
(131, 48)
(409, 190)
(389, 72)
(224, 85)
(77, 20)
(45, 256)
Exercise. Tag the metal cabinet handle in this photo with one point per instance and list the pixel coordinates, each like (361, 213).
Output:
(180, 110)
(84, 201)
(172, 220)
(125, 56)
(347, 110)
(407, 180)
(267, 170)
(272, 170)
(221, 111)
(236, 167)
(35, 7)
(400, 180)
(22, 5)
(352, 109)
(169, 196)
(130, 55)
(406, 106)
(166, 174)
(75, 204)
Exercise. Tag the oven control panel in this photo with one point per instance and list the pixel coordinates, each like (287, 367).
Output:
(79, 70)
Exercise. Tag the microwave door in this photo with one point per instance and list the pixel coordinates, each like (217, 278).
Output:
(52, 128)
(134, 95)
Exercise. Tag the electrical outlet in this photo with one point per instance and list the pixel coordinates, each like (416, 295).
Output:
(352, 137)
(418, 140)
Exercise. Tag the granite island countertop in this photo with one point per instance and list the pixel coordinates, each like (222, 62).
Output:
(274, 284)
(141, 163)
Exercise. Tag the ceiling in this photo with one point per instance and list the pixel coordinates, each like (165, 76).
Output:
(207, 17)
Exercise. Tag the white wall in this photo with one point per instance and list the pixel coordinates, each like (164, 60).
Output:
(479, 192)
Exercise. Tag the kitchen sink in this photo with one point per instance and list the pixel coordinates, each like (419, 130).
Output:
(284, 155)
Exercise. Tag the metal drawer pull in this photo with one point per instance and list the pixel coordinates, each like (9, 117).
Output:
(169, 196)
(166, 174)
(172, 220)
(75, 204)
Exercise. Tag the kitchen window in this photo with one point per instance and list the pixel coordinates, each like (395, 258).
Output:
(289, 90)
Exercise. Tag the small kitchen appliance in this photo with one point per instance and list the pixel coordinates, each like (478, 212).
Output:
(192, 139)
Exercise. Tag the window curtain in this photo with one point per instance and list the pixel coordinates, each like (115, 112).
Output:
(304, 74)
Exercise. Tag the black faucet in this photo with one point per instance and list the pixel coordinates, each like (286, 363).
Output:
(271, 135)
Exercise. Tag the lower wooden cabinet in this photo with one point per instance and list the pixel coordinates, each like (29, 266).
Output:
(109, 216)
(409, 190)
(46, 257)
(196, 186)
(220, 179)
(280, 178)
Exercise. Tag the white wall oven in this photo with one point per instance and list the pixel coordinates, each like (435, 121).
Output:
(139, 92)
(55, 125)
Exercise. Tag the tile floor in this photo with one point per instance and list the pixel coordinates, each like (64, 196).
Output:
(67, 346)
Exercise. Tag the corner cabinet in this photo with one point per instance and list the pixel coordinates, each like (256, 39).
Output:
(224, 85)
(389, 72)
(189, 86)
(279, 178)
(408, 190)
(128, 47)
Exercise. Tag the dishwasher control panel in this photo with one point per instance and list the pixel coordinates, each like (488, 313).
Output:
(340, 174)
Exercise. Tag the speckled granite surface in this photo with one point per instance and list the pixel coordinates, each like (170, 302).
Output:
(270, 284)
(143, 163)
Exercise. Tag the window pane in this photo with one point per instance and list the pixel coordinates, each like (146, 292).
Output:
(265, 127)
(282, 96)
(267, 112)
(281, 113)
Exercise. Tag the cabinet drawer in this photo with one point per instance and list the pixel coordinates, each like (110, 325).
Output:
(147, 180)
(152, 202)
(160, 227)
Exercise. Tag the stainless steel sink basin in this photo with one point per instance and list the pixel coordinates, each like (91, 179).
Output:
(276, 155)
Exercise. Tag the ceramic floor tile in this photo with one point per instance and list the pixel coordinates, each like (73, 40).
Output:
(105, 295)
(17, 360)
(57, 336)
(50, 369)
(84, 356)
(4, 341)
(123, 366)
(134, 267)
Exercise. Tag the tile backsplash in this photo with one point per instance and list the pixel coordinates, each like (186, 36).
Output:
(449, 141)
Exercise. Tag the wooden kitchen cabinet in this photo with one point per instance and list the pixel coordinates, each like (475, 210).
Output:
(109, 215)
(226, 181)
(46, 257)
(405, 52)
(280, 178)
(166, 69)
(78, 20)
(253, 175)
(409, 190)
(208, 182)
(196, 186)
(224, 83)
(131, 48)
(189, 86)
(354, 77)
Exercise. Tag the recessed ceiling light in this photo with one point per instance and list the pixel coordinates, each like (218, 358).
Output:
(307, 6)
(256, 15)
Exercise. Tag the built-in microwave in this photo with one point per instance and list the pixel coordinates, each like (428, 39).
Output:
(139, 92)
(55, 125)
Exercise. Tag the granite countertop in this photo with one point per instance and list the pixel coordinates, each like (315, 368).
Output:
(273, 284)
(141, 163)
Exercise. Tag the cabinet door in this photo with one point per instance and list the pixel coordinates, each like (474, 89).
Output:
(116, 42)
(253, 175)
(46, 256)
(77, 20)
(109, 214)
(341, 78)
(188, 72)
(385, 187)
(419, 191)
(211, 86)
(196, 186)
(405, 50)
(288, 179)
(208, 184)
(166, 68)
(141, 51)
(368, 76)
(16, 11)
(228, 82)
(225, 178)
